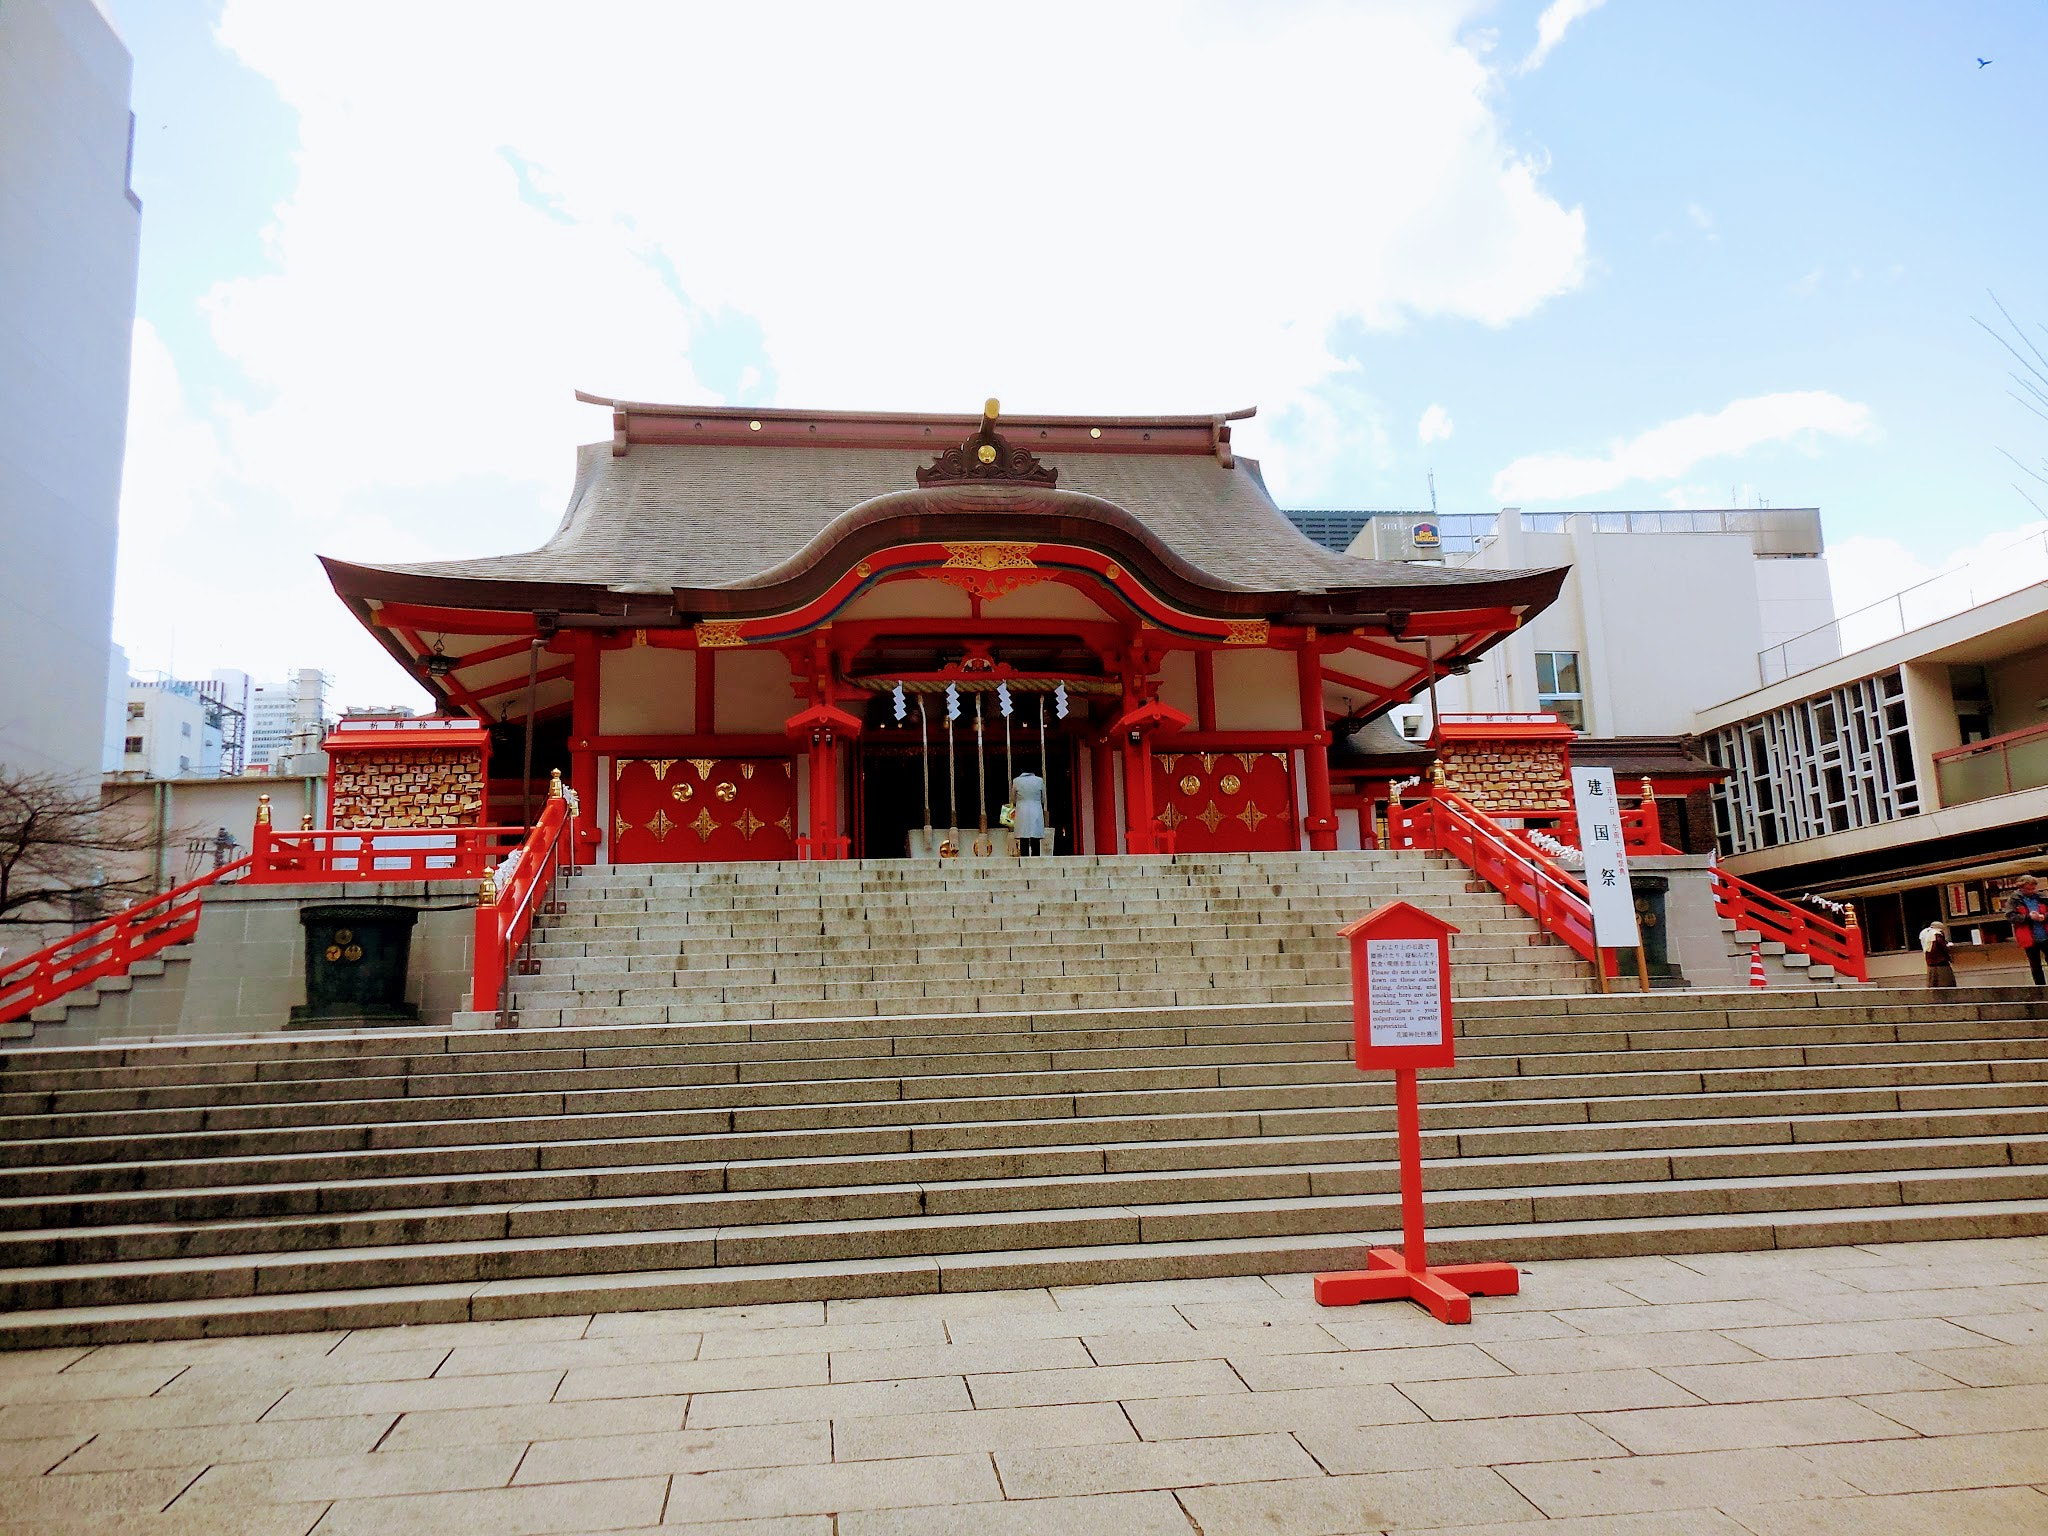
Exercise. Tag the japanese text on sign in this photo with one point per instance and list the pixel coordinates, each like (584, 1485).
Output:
(1600, 837)
(1404, 992)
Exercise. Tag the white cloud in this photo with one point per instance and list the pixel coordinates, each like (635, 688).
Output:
(1702, 220)
(1551, 26)
(1435, 426)
(832, 191)
(1673, 449)
(650, 200)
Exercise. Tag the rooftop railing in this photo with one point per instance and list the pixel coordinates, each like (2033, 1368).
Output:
(1999, 574)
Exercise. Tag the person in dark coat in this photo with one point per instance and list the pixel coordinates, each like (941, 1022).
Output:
(2029, 913)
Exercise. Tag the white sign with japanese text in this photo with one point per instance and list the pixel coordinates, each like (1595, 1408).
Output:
(1404, 992)
(1614, 904)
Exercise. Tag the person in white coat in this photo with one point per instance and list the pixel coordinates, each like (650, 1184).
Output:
(1027, 818)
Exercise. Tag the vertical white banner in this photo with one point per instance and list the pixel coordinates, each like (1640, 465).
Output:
(1614, 904)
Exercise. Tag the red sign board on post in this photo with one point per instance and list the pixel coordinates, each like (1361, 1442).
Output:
(1401, 1015)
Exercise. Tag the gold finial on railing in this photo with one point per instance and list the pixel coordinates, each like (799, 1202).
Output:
(1850, 920)
(554, 783)
(1437, 776)
(263, 810)
(1649, 789)
(306, 822)
(487, 888)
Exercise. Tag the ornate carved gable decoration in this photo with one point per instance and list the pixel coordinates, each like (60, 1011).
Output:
(987, 457)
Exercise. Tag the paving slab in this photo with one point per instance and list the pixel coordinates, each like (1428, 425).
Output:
(1233, 1405)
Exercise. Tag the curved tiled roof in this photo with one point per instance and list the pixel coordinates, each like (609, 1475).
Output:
(730, 518)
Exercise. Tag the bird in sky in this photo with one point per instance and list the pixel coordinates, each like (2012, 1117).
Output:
(1982, 62)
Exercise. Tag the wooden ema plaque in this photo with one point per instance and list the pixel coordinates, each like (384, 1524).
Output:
(1401, 1015)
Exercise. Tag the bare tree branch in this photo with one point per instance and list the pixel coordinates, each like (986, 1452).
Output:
(54, 841)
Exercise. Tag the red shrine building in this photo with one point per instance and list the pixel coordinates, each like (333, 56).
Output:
(746, 637)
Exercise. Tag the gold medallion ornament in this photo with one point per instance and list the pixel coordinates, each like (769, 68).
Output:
(788, 770)
(1231, 784)
(703, 765)
(719, 635)
(1244, 760)
(620, 826)
(746, 770)
(1113, 572)
(660, 826)
(1251, 816)
(1210, 817)
(1166, 760)
(683, 790)
(1170, 817)
(785, 825)
(727, 790)
(1248, 632)
(1189, 784)
(1208, 762)
(703, 826)
(661, 766)
(618, 769)
(748, 825)
(862, 568)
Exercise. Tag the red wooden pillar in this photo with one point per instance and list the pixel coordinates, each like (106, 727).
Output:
(1315, 757)
(583, 716)
(1102, 792)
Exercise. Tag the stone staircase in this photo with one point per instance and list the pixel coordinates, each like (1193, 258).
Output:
(312, 1181)
(689, 943)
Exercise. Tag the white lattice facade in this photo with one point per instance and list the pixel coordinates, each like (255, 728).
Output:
(1833, 762)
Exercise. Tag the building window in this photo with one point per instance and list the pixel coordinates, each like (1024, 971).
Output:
(1557, 687)
(135, 711)
(132, 747)
(185, 728)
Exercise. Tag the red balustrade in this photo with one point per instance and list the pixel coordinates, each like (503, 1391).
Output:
(1798, 929)
(1447, 823)
(505, 912)
(107, 948)
(325, 854)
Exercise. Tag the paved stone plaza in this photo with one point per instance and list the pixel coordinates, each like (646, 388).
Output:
(1822, 1392)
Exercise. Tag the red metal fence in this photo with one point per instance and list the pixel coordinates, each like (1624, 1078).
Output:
(106, 948)
(505, 913)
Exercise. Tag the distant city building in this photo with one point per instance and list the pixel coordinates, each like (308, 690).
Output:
(176, 728)
(68, 233)
(1336, 529)
(288, 718)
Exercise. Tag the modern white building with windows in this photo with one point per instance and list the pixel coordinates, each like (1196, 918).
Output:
(1663, 612)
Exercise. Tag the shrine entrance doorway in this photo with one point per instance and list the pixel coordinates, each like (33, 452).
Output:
(889, 795)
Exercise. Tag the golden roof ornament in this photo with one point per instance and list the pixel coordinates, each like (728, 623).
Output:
(986, 456)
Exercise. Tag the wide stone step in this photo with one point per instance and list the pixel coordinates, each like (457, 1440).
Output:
(904, 1231)
(568, 1295)
(1634, 1177)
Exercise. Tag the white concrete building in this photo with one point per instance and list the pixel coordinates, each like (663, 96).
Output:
(1664, 613)
(1909, 776)
(69, 227)
(288, 719)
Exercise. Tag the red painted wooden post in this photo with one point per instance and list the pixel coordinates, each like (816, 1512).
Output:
(1315, 756)
(1401, 1015)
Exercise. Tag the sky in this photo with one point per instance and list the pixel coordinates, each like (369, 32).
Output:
(1584, 253)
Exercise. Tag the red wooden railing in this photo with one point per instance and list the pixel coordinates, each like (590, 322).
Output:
(1797, 928)
(1448, 823)
(504, 914)
(323, 854)
(106, 948)
(1752, 908)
